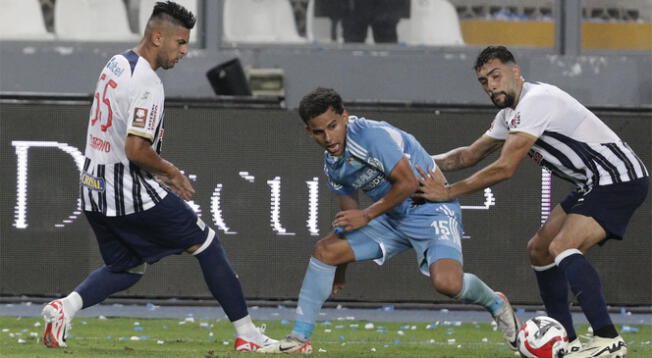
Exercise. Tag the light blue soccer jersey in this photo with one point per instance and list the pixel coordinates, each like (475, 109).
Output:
(371, 152)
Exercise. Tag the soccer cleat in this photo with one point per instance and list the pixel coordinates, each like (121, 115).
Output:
(253, 345)
(57, 324)
(571, 347)
(507, 322)
(288, 345)
(601, 347)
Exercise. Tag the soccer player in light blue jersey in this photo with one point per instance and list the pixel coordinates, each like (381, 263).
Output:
(381, 161)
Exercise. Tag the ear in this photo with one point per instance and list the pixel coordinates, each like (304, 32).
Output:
(345, 116)
(308, 131)
(517, 71)
(156, 38)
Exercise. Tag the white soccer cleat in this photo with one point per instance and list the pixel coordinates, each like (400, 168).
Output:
(288, 345)
(572, 347)
(507, 322)
(244, 344)
(601, 347)
(57, 324)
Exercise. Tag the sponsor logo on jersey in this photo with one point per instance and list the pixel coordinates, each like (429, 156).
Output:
(538, 157)
(114, 67)
(100, 144)
(516, 120)
(92, 182)
(140, 117)
(367, 178)
(152, 117)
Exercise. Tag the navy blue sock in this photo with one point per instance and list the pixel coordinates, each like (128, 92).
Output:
(222, 280)
(553, 289)
(102, 283)
(585, 284)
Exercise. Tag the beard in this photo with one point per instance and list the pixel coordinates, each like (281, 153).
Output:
(509, 99)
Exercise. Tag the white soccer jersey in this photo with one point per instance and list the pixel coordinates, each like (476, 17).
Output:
(128, 100)
(572, 142)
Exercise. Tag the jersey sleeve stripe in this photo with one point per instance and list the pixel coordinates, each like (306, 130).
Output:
(140, 134)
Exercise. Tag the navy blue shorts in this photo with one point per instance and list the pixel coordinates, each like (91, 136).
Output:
(611, 205)
(170, 227)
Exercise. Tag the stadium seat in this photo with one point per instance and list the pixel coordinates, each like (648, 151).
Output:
(145, 11)
(92, 20)
(22, 20)
(431, 23)
(318, 28)
(260, 21)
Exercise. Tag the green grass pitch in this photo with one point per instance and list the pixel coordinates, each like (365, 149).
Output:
(130, 337)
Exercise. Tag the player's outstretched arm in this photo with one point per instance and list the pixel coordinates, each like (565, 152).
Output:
(514, 150)
(139, 151)
(464, 157)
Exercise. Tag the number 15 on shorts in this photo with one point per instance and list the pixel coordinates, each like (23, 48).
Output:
(446, 230)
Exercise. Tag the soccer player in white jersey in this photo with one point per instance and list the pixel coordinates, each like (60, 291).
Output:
(559, 133)
(132, 197)
(380, 160)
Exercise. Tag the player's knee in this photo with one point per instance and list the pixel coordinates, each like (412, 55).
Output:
(449, 285)
(558, 246)
(537, 249)
(326, 253)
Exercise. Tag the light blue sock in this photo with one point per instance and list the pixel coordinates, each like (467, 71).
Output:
(474, 290)
(317, 285)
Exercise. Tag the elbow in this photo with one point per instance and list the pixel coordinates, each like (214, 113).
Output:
(132, 154)
(507, 172)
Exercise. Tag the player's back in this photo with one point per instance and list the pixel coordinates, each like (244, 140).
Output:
(128, 99)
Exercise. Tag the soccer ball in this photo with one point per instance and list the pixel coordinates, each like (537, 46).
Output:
(541, 337)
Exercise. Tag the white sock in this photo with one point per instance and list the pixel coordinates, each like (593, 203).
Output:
(244, 327)
(72, 304)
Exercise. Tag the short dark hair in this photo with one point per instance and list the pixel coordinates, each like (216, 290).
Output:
(319, 101)
(491, 52)
(175, 13)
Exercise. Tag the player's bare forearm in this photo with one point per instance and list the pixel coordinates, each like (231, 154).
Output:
(451, 160)
(484, 178)
(468, 156)
(140, 152)
(514, 150)
(404, 184)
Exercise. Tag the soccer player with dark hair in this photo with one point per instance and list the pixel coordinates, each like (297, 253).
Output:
(132, 197)
(560, 134)
(379, 160)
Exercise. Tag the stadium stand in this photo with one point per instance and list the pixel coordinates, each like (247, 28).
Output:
(92, 20)
(256, 21)
(22, 20)
(431, 23)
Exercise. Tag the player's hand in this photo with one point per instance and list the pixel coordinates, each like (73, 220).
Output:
(351, 219)
(180, 185)
(429, 188)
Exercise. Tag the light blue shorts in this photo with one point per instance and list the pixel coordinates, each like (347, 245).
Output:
(433, 230)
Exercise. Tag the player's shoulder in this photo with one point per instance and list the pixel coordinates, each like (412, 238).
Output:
(541, 94)
(138, 69)
(360, 127)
